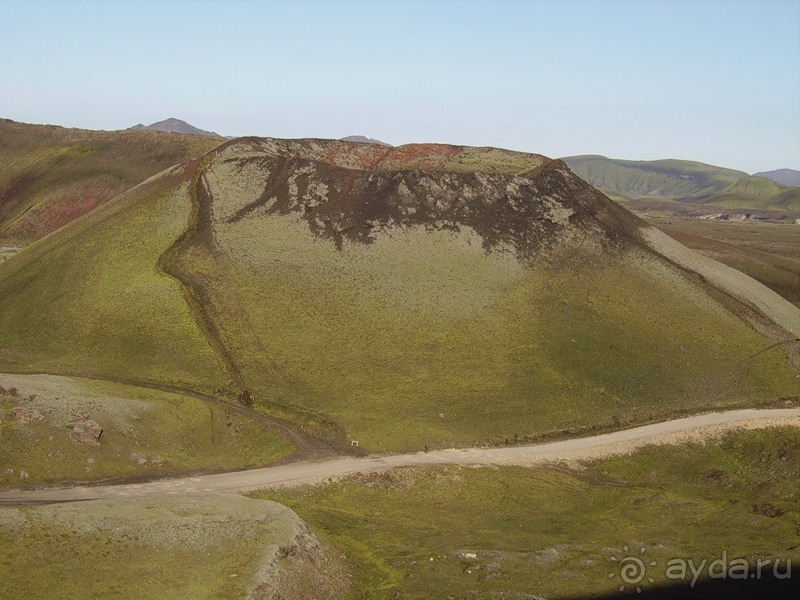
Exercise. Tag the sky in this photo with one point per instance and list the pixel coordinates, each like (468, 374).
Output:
(716, 81)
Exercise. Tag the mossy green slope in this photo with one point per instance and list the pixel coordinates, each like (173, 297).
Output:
(468, 348)
(424, 336)
(397, 304)
(90, 298)
(200, 546)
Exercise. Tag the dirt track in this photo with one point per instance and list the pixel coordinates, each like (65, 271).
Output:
(695, 428)
(307, 446)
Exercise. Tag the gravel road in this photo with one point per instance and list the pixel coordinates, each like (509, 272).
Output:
(696, 428)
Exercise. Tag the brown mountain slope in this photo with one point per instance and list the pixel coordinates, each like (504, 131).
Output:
(52, 175)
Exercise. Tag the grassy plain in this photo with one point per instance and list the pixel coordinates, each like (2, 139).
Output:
(513, 532)
(767, 252)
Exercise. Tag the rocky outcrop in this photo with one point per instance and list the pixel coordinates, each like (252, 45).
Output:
(346, 193)
(283, 560)
(295, 568)
(87, 432)
(24, 415)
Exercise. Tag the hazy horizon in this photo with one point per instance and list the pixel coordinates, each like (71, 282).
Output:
(716, 82)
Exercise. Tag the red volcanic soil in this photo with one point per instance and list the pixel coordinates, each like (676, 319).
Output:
(365, 156)
(67, 205)
(419, 156)
(52, 175)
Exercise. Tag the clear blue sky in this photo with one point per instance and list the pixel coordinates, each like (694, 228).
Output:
(710, 80)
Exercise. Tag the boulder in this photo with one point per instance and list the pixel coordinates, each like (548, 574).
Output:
(86, 431)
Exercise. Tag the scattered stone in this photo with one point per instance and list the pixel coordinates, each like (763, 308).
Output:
(139, 459)
(768, 510)
(90, 460)
(23, 474)
(470, 555)
(8, 472)
(26, 415)
(86, 431)
(547, 557)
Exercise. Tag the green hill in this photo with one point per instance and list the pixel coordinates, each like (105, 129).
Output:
(756, 193)
(52, 175)
(754, 186)
(403, 297)
(145, 432)
(654, 178)
(683, 180)
(171, 547)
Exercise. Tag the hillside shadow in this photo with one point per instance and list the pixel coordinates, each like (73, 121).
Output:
(767, 587)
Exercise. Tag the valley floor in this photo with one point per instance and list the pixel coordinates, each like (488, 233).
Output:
(557, 521)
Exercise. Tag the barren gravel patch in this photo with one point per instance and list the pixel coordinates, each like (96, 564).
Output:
(61, 400)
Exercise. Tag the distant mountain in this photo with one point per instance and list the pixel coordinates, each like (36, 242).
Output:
(363, 140)
(628, 179)
(789, 177)
(173, 125)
